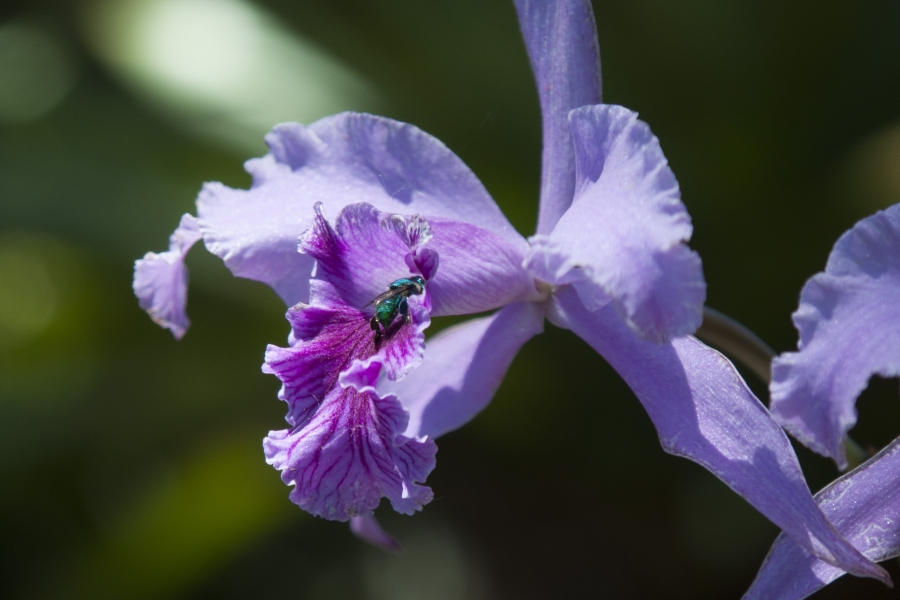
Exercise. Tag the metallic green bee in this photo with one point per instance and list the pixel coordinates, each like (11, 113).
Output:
(393, 302)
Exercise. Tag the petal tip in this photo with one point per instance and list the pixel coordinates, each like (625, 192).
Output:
(367, 528)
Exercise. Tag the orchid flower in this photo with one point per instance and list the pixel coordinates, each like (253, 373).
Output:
(374, 202)
(849, 324)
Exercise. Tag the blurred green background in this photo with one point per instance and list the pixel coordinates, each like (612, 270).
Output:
(131, 465)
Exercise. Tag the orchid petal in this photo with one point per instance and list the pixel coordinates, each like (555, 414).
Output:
(255, 232)
(462, 369)
(161, 280)
(561, 37)
(864, 505)
(479, 270)
(369, 530)
(847, 321)
(350, 454)
(703, 411)
(340, 160)
(623, 237)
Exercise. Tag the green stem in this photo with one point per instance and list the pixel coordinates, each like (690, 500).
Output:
(856, 454)
(725, 333)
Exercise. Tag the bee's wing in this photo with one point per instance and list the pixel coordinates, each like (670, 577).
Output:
(384, 296)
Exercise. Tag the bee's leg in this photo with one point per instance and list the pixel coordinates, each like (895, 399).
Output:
(376, 327)
(403, 309)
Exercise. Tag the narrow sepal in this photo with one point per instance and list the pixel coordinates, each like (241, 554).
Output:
(561, 38)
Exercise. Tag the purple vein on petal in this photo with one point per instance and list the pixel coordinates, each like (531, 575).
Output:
(351, 454)
(345, 449)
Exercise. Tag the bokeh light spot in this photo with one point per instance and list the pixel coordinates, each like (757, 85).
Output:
(223, 69)
(47, 354)
(204, 44)
(872, 171)
(27, 294)
(36, 72)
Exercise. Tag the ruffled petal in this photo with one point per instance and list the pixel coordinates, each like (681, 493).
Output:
(369, 530)
(351, 454)
(849, 324)
(864, 506)
(255, 232)
(704, 411)
(161, 280)
(340, 160)
(624, 236)
(332, 343)
(561, 37)
(346, 449)
(463, 367)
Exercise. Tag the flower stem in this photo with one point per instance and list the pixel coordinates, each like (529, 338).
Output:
(725, 333)
(856, 454)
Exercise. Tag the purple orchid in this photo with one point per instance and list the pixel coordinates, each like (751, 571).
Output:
(609, 261)
(849, 324)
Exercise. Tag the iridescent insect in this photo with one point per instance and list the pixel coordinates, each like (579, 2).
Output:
(393, 302)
